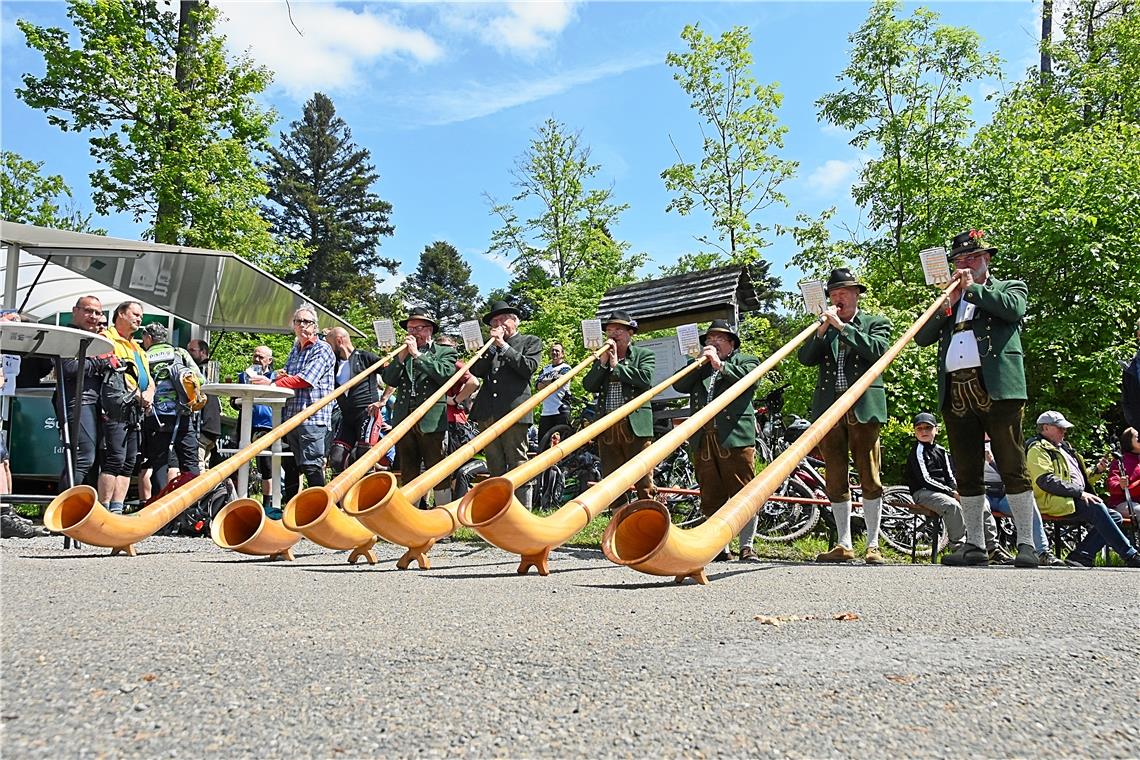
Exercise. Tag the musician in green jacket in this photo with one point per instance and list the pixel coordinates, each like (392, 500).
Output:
(724, 450)
(618, 376)
(418, 371)
(981, 389)
(846, 344)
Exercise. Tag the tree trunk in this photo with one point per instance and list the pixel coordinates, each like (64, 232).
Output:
(168, 219)
(1046, 37)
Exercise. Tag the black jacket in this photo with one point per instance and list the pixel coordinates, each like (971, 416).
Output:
(929, 467)
(506, 377)
(355, 402)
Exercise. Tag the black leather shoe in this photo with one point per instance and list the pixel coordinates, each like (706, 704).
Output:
(966, 555)
(724, 556)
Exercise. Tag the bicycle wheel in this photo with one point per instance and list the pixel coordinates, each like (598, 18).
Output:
(785, 520)
(562, 431)
(898, 526)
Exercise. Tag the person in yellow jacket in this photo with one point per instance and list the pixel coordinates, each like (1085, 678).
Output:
(121, 430)
(1061, 487)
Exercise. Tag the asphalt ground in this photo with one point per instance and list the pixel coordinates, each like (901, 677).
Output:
(189, 651)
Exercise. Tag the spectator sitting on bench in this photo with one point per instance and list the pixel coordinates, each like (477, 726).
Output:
(1124, 476)
(1061, 487)
(930, 475)
(996, 502)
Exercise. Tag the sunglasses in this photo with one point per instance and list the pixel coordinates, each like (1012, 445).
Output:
(304, 322)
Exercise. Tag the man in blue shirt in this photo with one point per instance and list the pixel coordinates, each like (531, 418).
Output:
(262, 415)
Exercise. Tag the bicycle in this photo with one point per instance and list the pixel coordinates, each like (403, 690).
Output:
(676, 472)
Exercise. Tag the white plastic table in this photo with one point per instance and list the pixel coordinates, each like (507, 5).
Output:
(250, 395)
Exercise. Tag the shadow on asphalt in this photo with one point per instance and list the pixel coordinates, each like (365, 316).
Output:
(553, 571)
(666, 582)
(98, 556)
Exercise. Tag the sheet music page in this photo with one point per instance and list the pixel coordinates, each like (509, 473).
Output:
(935, 266)
(472, 335)
(689, 340)
(385, 333)
(815, 297)
(592, 337)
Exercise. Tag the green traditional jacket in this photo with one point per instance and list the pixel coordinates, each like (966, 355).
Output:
(635, 373)
(997, 328)
(417, 378)
(736, 423)
(867, 338)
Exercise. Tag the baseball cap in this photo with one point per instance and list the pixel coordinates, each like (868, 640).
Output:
(1054, 418)
(925, 418)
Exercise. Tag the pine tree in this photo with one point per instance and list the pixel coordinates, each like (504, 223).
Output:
(442, 284)
(320, 189)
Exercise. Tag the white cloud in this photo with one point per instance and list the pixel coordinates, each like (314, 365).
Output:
(833, 175)
(522, 28)
(391, 283)
(834, 130)
(477, 99)
(498, 259)
(333, 45)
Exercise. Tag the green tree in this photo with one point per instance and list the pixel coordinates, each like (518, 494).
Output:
(175, 123)
(1055, 179)
(28, 197)
(442, 284)
(903, 95)
(571, 223)
(321, 199)
(740, 173)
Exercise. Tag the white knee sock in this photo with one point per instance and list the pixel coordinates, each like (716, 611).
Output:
(1022, 506)
(872, 514)
(974, 515)
(842, 512)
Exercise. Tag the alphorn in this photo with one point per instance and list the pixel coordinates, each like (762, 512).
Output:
(387, 509)
(491, 509)
(642, 536)
(314, 512)
(77, 512)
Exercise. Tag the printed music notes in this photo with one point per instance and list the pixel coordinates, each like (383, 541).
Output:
(935, 266)
(385, 333)
(592, 337)
(472, 335)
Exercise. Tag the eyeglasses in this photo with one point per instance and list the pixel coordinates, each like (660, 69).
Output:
(418, 328)
(304, 322)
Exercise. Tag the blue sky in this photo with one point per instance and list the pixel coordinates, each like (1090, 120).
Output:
(446, 97)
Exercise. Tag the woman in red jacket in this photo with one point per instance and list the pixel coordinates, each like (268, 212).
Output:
(1125, 472)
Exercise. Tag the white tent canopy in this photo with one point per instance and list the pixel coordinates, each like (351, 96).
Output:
(216, 290)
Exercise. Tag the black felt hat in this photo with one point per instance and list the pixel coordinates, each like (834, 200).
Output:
(618, 317)
(500, 307)
(970, 241)
(721, 326)
(842, 278)
(420, 312)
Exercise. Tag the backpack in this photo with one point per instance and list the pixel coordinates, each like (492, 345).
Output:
(119, 402)
(176, 378)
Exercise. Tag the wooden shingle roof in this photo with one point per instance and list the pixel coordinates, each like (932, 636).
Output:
(691, 297)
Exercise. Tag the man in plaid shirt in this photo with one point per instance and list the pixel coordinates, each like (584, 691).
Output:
(309, 371)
